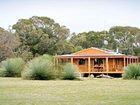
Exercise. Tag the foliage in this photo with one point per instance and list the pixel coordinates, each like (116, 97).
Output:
(40, 68)
(41, 34)
(132, 72)
(24, 53)
(78, 48)
(80, 40)
(70, 71)
(58, 70)
(137, 51)
(89, 39)
(8, 43)
(11, 67)
(126, 38)
(64, 47)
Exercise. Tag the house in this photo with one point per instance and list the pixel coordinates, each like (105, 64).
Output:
(96, 61)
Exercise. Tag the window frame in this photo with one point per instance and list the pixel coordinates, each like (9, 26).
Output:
(82, 62)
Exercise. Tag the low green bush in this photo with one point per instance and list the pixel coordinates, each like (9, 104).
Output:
(40, 68)
(132, 72)
(70, 72)
(58, 70)
(12, 67)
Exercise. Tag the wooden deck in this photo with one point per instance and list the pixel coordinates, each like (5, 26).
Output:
(94, 60)
(102, 72)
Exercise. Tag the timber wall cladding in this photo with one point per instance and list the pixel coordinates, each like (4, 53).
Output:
(99, 61)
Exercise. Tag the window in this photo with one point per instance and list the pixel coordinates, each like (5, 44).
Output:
(81, 61)
(98, 62)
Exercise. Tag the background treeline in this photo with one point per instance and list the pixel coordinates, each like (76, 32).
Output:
(36, 36)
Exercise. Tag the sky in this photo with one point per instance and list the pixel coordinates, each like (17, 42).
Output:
(77, 15)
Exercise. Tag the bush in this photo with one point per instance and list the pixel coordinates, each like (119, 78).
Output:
(40, 68)
(70, 71)
(58, 70)
(11, 67)
(132, 72)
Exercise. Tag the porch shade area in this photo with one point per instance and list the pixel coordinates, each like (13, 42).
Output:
(100, 64)
(95, 60)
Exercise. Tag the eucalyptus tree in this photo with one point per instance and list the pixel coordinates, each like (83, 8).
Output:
(90, 39)
(8, 43)
(127, 38)
(40, 34)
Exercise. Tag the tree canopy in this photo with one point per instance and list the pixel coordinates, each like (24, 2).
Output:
(42, 35)
(127, 39)
(8, 43)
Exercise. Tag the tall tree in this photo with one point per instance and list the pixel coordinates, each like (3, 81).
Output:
(89, 39)
(127, 39)
(8, 43)
(80, 40)
(96, 39)
(40, 34)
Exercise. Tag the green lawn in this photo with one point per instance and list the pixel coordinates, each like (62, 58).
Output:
(15, 91)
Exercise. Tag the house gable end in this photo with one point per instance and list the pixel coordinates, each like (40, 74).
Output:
(91, 51)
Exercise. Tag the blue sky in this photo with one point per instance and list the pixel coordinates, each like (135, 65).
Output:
(77, 15)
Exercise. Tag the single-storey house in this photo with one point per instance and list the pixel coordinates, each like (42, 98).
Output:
(97, 61)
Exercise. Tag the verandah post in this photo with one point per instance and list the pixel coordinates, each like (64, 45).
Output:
(107, 66)
(124, 62)
(127, 61)
(89, 66)
(71, 60)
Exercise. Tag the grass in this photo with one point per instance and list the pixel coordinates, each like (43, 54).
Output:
(15, 91)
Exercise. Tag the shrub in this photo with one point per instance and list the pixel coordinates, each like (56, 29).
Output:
(40, 68)
(58, 70)
(11, 67)
(70, 71)
(132, 72)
